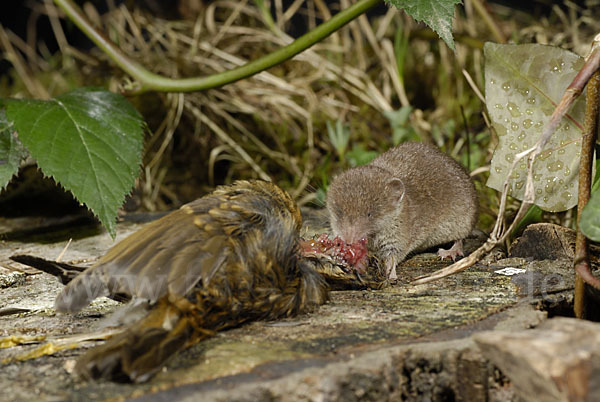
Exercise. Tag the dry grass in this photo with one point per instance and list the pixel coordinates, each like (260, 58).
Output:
(273, 125)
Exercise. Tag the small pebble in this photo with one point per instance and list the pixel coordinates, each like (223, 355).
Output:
(12, 279)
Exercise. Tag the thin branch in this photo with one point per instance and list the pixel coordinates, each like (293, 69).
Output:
(483, 12)
(582, 258)
(473, 86)
(147, 81)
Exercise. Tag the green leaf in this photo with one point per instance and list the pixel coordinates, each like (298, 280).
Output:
(401, 129)
(400, 50)
(339, 137)
(89, 140)
(533, 215)
(596, 181)
(523, 85)
(11, 151)
(437, 14)
(590, 218)
(359, 156)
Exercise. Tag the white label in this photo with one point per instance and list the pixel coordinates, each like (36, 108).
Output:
(510, 271)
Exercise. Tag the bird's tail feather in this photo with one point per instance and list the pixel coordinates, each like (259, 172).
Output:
(143, 348)
(89, 284)
(65, 272)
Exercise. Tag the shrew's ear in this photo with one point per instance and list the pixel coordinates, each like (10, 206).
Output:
(397, 189)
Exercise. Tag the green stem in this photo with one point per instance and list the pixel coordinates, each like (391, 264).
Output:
(147, 81)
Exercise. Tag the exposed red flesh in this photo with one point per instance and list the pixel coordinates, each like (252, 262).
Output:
(352, 255)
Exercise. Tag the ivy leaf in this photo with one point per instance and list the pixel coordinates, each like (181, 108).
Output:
(523, 85)
(11, 151)
(89, 140)
(437, 15)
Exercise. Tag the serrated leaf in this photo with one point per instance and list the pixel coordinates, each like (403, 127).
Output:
(437, 15)
(523, 84)
(89, 140)
(590, 218)
(11, 151)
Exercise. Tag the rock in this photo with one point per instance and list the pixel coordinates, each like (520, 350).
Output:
(558, 361)
(543, 278)
(545, 241)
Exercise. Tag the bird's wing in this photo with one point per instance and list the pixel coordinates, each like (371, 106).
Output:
(184, 247)
(141, 264)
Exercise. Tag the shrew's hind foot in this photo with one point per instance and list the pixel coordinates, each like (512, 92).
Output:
(453, 252)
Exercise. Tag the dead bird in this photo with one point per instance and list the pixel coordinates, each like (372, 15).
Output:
(217, 262)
